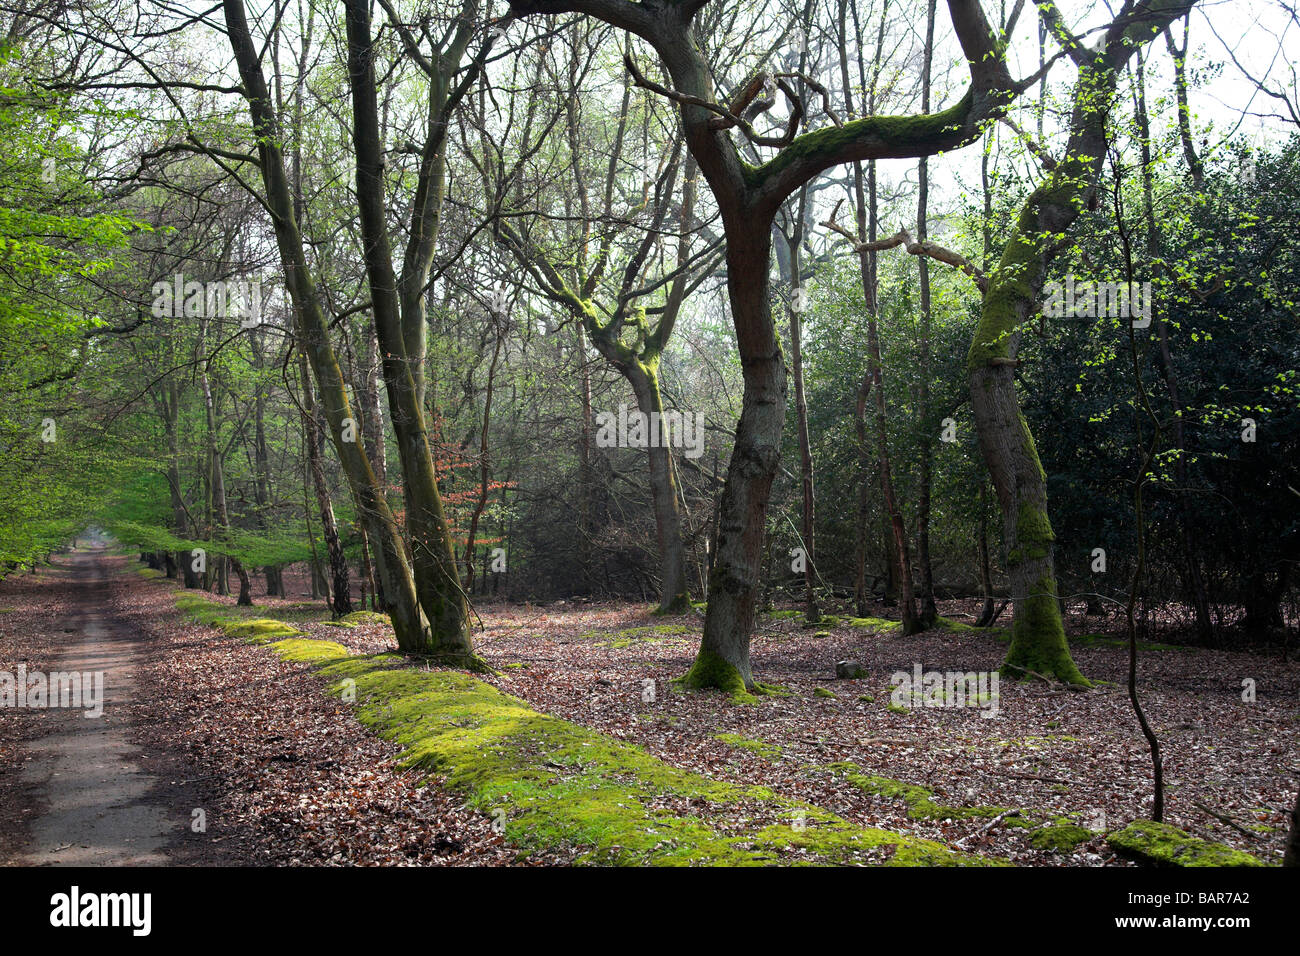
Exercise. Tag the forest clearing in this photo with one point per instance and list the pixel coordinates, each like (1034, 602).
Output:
(570, 434)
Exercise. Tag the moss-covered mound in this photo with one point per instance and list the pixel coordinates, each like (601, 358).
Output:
(919, 801)
(557, 784)
(365, 617)
(1159, 844)
(257, 630)
(1061, 837)
(760, 747)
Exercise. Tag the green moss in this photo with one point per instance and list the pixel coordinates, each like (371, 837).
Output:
(680, 604)
(760, 747)
(920, 801)
(1034, 528)
(873, 624)
(897, 708)
(824, 693)
(365, 617)
(1159, 844)
(651, 634)
(556, 784)
(710, 670)
(887, 130)
(199, 608)
(309, 651)
(262, 630)
(1059, 838)
(1038, 639)
(866, 698)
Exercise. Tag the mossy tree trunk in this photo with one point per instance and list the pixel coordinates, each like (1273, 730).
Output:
(1011, 298)
(748, 198)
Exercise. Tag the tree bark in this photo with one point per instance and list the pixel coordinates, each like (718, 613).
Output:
(408, 623)
(1038, 634)
(929, 612)
(339, 590)
(399, 318)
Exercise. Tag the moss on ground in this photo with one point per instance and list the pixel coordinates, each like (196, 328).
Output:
(760, 747)
(1059, 837)
(783, 615)
(558, 784)
(365, 617)
(261, 630)
(1159, 844)
(308, 650)
(255, 630)
(920, 801)
(650, 634)
(874, 624)
(824, 693)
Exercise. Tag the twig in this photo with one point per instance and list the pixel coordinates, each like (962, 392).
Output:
(1228, 820)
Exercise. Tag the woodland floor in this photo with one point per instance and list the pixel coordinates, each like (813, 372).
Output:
(285, 775)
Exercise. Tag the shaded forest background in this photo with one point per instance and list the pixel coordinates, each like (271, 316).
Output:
(566, 186)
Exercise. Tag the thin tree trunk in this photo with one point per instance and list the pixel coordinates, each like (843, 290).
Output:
(929, 612)
(812, 613)
(674, 593)
(485, 468)
(1191, 564)
(340, 588)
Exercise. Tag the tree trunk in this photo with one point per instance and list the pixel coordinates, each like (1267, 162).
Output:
(408, 624)
(808, 523)
(929, 612)
(1038, 634)
(674, 593)
(339, 588)
(399, 324)
(723, 657)
(1292, 856)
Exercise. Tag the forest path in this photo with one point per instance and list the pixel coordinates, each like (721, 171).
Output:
(96, 804)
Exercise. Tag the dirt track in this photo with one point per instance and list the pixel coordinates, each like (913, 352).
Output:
(87, 797)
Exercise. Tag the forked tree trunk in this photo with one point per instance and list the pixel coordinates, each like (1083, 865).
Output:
(390, 556)
(399, 324)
